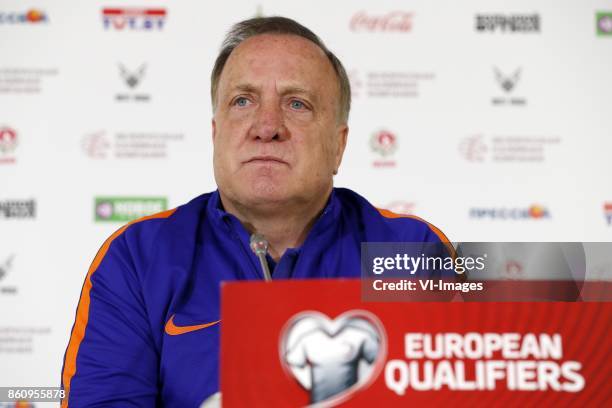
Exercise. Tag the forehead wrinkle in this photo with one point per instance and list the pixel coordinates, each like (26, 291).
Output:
(282, 50)
(246, 87)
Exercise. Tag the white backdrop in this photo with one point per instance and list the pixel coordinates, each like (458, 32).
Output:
(432, 130)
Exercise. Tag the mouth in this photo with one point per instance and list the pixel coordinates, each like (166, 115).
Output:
(265, 160)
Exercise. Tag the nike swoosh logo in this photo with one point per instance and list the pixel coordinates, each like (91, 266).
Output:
(174, 330)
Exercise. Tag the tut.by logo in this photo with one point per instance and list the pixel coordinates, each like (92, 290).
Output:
(608, 212)
(332, 359)
(133, 18)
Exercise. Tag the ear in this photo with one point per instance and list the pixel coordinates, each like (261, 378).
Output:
(341, 139)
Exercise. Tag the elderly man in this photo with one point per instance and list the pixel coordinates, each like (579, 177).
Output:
(147, 325)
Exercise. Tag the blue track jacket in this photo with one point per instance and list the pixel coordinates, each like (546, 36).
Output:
(147, 325)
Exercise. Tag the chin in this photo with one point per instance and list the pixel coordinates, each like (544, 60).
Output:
(266, 193)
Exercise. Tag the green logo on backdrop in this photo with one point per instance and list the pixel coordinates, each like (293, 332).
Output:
(603, 19)
(124, 209)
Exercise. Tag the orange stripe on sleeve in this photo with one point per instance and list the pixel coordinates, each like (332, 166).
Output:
(436, 230)
(82, 314)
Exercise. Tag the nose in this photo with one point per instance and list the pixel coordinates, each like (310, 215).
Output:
(269, 123)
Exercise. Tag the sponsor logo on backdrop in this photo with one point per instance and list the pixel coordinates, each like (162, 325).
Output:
(507, 82)
(132, 79)
(6, 266)
(604, 23)
(533, 212)
(17, 209)
(129, 145)
(8, 144)
(504, 149)
(384, 144)
(389, 84)
(513, 270)
(24, 81)
(332, 359)
(21, 339)
(125, 209)
(473, 148)
(513, 23)
(32, 16)
(608, 212)
(18, 404)
(97, 145)
(400, 207)
(133, 19)
(393, 21)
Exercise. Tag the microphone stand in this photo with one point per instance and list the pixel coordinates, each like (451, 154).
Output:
(259, 245)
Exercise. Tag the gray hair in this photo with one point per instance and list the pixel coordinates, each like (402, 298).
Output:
(277, 25)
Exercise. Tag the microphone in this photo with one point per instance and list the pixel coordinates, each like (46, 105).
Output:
(259, 245)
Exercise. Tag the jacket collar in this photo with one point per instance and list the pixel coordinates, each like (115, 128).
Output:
(217, 214)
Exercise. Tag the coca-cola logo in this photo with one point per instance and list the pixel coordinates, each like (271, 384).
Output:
(394, 21)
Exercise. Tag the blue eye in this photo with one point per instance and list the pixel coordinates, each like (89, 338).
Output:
(241, 101)
(297, 104)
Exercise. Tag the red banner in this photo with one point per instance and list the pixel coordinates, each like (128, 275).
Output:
(295, 343)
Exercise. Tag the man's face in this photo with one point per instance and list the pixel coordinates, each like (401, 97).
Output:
(276, 134)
